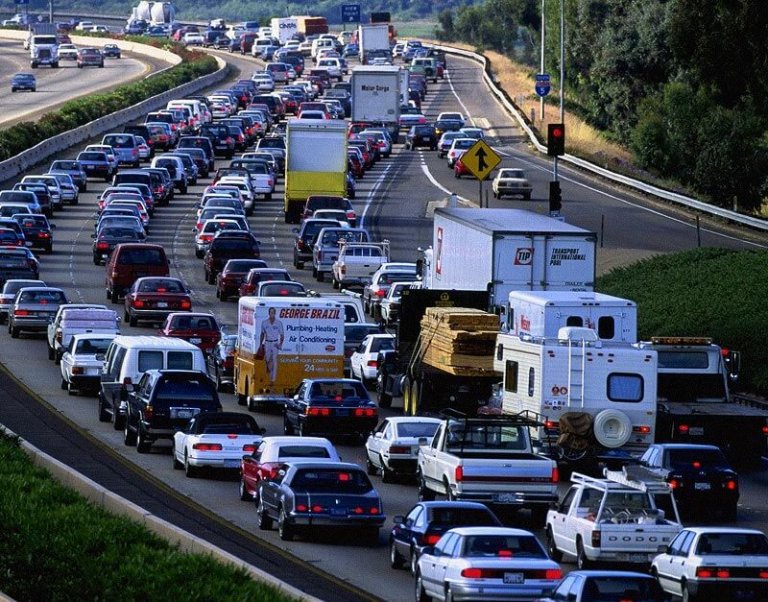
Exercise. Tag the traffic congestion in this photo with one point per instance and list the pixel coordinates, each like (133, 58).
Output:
(190, 369)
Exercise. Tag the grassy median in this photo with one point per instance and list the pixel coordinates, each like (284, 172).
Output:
(55, 545)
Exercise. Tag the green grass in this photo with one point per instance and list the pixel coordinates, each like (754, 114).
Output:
(55, 545)
(716, 293)
(415, 29)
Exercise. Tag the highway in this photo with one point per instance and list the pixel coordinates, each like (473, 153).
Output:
(393, 200)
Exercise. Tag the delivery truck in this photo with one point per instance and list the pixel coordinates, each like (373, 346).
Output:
(376, 96)
(316, 162)
(373, 40)
(280, 342)
(505, 250)
(308, 25)
(283, 28)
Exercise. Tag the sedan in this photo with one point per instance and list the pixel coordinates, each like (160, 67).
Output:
(215, 440)
(511, 181)
(306, 495)
(231, 276)
(111, 51)
(714, 563)
(362, 362)
(330, 406)
(8, 294)
(251, 280)
(220, 362)
(485, 563)
(24, 81)
(394, 446)
(97, 164)
(37, 231)
(590, 586)
(200, 329)
(273, 452)
(33, 308)
(458, 147)
(152, 299)
(82, 362)
(389, 308)
(421, 136)
(427, 522)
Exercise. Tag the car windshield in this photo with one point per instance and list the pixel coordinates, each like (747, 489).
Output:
(320, 480)
(510, 546)
(739, 544)
(504, 437)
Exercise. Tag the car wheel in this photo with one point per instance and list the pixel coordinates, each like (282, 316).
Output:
(133, 321)
(126, 316)
(320, 276)
(303, 430)
(425, 494)
(244, 495)
(115, 296)
(448, 596)
(142, 443)
(387, 475)
(287, 427)
(421, 595)
(686, 595)
(396, 561)
(262, 518)
(211, 278)
(104, 416)
(582, 562)
(450, 496)
(732, 512)
(554, 553)
(299, 265)
(370, 468)
(129, 437)
(51, 353)
(284, 529)
(14, 332)
(189, 470)
(64, 386)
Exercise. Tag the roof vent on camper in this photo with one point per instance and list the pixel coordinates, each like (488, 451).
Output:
(577, 333)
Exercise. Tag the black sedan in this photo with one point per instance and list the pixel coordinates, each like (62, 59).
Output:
(421, 136)
(37, 231)
(330, 406)
(305, 496)
(426, 523)
(701, 478)
(587, 586)
(108, 238)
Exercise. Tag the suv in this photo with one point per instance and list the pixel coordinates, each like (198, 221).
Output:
(163, 401)
(226, 246)
(130, 261)
(223, 143)
(126, 148)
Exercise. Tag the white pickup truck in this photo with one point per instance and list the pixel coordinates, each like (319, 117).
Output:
(620, 518)
(488, 460)
(357, 261)
(79, 318)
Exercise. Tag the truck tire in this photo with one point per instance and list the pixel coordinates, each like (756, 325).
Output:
(582, 562)
(612, 428)
(554, 553)
(425, 494)
(384, 399)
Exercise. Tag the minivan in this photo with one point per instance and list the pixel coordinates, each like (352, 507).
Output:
(130, 261)
(125, 146)
(128, 357)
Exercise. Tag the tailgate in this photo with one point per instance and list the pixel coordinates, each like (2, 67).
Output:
(642, 540)
(506, 475)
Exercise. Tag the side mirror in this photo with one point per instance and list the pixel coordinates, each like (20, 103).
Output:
(378, 435)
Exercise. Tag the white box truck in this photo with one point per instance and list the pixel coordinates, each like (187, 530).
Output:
(376, 96)
(280, 342)
(544, 313)
(405, 82)
(373, 40)
(284, 28)
(505, 250)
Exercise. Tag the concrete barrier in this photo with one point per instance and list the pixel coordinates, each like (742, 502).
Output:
(12, 167)
(115, 504)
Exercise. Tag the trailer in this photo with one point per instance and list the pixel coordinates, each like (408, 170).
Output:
(376, 96)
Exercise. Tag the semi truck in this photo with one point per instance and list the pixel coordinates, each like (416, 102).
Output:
(316, 162)
(376, 96)
(372, 39)
(505, 250)
(280, 342)
(283, 28)
(43, 43)
(308, 25)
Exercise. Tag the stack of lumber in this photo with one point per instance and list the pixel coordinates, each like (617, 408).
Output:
(460, 341)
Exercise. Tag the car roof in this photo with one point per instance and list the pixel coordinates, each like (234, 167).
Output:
(708, 530)
(694, 446)
(491, 531)
(412, 419)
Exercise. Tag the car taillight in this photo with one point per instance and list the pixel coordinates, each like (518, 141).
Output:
(249, 448)
(555, 474)
(642, 430)
(137, 303)
(430, 539)
(20, 312)
(364, 412)
(683, 429)
(206, 237)
(149, 412)
(596, 539)
(731, 485)
(302, 508)
(318, 412)
(765, 430)
(207, 446)
(78, 370)
(458, 474)
(43, 234)
(475, 573)
(248, 289)
(381, 293)
(185, 304)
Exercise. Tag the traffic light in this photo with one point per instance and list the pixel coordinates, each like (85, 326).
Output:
(555, 139)
(555, 197)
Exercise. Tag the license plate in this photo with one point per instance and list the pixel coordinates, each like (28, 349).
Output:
(702, 486)
(195, 341)
(638, 557)
(183, 413)
(505, 498)
(425, 139)
(696, 430)
(162, 304)
(342, 412)
(231, 463)
(338, 511)
(514, 578)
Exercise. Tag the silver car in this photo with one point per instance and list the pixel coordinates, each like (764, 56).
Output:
(8, 294)
(33, 308)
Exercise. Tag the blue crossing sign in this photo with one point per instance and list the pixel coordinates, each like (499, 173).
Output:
(350, 13)
(543, 84)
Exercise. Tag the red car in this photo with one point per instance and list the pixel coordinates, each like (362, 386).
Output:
(151, 299)
(200, 329)
(459, 169)
(256, 275)
(355, 165)
(230, 278)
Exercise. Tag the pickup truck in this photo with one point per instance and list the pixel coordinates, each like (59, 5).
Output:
(326, 248)
(357, 262)
(621, 518)
(490, 460)
(79, 318)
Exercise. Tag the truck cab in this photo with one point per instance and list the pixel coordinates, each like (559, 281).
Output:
(357, 262)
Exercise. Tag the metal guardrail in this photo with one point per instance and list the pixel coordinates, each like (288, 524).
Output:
(691, 203)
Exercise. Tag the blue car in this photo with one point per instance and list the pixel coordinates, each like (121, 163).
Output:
(24, 81)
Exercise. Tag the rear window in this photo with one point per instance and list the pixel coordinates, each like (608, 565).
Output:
(229, 425)
(337, 390)
(120, 140)
(153, 360)
(13, 261)
(330, 480)
(232, 245)
(493, 546)
(152, 257)
(42, 297)
(160, 286)
(302, 451)
(474, 517)
(194, 389)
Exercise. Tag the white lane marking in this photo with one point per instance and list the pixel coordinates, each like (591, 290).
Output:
(432, 179)
(372, 192)
(463, 106)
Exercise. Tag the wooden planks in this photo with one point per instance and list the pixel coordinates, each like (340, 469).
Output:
(460, 341)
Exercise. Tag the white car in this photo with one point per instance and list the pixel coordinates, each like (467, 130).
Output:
(363, 364)
(394, 446)
(82, 362)
(451, 115)
(389, 308)
(486, 563)
(244, 186)
(193, 38)
(458, 147)
(67, 52)
(215, 440)
(511, 181)
(332, 65)
(264, 81)
(703, 563)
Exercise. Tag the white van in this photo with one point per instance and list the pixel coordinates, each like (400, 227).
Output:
(259, 44)
(195, 106)
(322, 43)
(128, 357)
